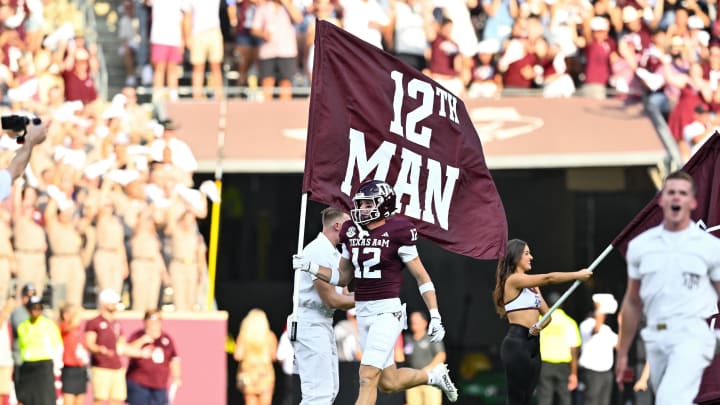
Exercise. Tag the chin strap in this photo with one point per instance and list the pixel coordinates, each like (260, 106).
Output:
(362, 232)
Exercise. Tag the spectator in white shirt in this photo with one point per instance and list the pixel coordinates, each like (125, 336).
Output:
(596, 358)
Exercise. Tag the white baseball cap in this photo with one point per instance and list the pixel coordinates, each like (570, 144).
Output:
(630, 14)
(606, 303)
(108, 296)
(599, 24)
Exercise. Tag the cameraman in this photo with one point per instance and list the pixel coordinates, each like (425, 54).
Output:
(35, 135)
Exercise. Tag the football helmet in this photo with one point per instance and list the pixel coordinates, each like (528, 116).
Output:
(382, 202)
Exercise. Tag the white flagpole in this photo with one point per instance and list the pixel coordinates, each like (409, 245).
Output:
(575, 285)
(296, 279)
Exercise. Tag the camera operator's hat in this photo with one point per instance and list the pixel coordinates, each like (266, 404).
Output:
(34, 301)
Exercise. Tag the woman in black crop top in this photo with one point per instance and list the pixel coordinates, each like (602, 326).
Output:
(520, 350)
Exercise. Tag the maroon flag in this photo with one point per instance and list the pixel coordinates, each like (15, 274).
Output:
(372, 116)
(703, 167)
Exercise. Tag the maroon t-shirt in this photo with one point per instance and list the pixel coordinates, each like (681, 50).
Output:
(79, 89)
(513, 76)
(378, 266)
(597, 70)
(155, 371)
(444, 52)
(245, 13)
(107, 333)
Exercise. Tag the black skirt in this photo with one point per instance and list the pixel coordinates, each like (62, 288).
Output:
(74, 380)
(36, 383)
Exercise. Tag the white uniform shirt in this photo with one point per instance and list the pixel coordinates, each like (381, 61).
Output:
(322, 252)
(676, 270)
(597, 349)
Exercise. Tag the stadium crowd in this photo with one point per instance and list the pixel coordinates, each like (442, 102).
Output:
(664, 55)
(659, 53)
(110, 193)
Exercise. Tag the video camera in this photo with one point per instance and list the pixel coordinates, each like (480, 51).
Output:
(18, 123)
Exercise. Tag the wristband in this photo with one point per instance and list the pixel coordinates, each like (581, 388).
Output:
(434, 313)
(313, 269)
(334, 276)
(429, 286)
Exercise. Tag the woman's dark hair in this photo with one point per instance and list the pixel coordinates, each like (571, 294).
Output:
(506, 266)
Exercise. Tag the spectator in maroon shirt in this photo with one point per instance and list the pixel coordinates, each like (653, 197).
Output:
(148, 376)
(104, 340)
(694, 91)
(635, 26)
(79, 84)
(518, 59)
(600, 51)
(445, 59)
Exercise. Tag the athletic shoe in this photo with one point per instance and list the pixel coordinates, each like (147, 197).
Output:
(441, 379)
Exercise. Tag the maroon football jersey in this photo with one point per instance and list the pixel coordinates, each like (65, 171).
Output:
(375, 257)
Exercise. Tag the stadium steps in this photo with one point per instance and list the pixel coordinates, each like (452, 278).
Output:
(106, 17)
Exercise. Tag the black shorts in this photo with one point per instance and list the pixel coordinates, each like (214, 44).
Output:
(279, 68)
(36, 383)
(74, 380)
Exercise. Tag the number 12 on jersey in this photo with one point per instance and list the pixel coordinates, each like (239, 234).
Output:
(367, 268)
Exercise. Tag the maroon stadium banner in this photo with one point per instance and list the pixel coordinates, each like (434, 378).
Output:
(703, 167)
(372, 116)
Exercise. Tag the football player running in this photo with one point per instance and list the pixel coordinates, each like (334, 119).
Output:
(375, 248)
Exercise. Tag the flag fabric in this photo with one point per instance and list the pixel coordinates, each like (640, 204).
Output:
(373, 116)
(702, 166)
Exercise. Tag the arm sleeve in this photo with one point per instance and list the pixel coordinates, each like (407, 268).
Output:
(407, 236)
(5, 184)
(633, 262)
(407, 253)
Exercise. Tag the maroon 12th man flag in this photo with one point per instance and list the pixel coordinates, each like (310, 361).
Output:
(703, 167)
(372, 116)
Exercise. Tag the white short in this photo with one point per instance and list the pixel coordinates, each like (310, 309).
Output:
(317, 362)
(378, 334)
